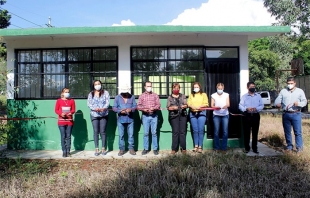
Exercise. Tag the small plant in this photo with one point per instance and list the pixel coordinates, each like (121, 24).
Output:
(64, 174)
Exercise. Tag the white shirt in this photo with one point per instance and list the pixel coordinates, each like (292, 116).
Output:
(220, 101)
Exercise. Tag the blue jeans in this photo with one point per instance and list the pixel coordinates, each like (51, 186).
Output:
(150, 121)
(121, 132)
(289, 120)
(65, 134)
(217, 120)
(198, 121)
(99, 126)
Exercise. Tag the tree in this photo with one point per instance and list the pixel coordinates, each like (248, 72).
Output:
(263, 63)
(293, 13)
(304, 53)
(4, 23)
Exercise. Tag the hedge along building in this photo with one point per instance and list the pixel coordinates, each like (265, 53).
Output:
(43, 61)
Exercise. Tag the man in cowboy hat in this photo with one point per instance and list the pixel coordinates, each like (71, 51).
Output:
(124, 106)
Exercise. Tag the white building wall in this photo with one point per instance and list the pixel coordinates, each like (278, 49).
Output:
(124, 43)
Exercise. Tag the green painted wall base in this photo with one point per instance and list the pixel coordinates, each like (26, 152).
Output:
(43, 133)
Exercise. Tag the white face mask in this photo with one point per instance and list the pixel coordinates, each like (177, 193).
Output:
(66, 95)
(219, 91)
(196, 90)
(97, 87)
(149, 89)
(290, 86)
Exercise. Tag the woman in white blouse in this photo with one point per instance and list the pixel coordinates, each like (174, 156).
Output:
(220, 100)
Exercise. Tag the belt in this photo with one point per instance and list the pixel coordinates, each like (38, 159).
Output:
(291, 111)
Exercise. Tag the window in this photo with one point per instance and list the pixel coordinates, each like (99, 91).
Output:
(43, 73)
(222, 53)
(164, 66)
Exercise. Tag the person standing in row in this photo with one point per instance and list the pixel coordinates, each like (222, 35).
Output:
(196, 101)
(98, 102)
(125, 106)
(65, 108)
(251, 104)
(149, 104)
(176, 105)
(220, 100)
(291, 100)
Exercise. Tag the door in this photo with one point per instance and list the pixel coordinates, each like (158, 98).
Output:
(226, 71)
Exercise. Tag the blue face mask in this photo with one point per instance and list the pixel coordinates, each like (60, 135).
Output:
(219, 91)
(66, 95)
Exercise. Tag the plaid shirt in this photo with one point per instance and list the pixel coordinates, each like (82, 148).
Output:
(119, 105)
(148, 100)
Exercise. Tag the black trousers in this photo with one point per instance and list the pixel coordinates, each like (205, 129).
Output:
(251, 122)
(178, 125)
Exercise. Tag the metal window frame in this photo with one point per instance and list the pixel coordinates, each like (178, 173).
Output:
(66, 73)
(166, 60)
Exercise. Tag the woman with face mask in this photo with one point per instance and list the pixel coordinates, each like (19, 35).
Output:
(220, 100)
(65, 108)
(98, 102)
(196, 101)
(176, 105)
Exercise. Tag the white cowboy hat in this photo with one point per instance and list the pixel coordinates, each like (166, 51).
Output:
(124, 88)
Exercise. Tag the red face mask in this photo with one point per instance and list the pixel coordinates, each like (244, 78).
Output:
(175, 91)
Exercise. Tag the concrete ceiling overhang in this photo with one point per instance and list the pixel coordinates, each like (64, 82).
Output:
(252, 32)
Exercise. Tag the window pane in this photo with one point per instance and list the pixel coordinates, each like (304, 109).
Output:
(54, 68)
(29, 69)
(109, 82)
(28, 56)
(79, 85)
(222, 52)
(53, 84)
(162, 53)
(185, 80)
(79, 67)
(29, 86)
(79, 54)
(53, 55)
(104, 54)
(101, 67)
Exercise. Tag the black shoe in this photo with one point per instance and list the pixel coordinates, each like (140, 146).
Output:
(64, 154)
(256, 152)
(155, 152)
(245, 151)
(144, 152)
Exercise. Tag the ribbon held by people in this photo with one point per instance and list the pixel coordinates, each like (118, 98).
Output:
(31, 118)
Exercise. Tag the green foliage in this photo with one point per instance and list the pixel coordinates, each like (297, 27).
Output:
(293, 13)
(23, 130)
(263, 65)
(304, 53)
(259, 44)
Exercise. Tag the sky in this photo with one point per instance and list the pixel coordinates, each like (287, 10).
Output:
(99, 13)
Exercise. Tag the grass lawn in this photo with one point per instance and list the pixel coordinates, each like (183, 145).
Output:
(194, 175)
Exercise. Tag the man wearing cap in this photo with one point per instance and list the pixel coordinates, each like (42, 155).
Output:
(149, 104)
(291, 100)
(124, 106)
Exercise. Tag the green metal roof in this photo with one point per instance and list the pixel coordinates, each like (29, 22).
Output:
(143, 29)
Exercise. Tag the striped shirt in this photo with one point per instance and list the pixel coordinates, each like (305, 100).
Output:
(65, 106)
(148, 100)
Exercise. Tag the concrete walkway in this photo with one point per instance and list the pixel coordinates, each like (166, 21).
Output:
(46, 154)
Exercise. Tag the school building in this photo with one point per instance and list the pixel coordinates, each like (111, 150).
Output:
(43, 61)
